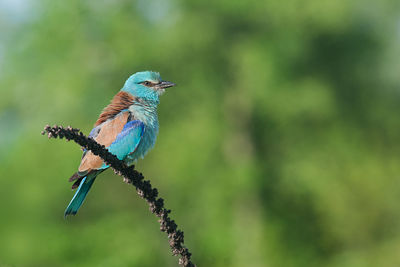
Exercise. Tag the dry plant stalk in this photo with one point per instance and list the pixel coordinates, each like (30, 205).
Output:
(131, 176)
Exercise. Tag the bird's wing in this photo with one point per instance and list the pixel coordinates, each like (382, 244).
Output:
(105, 134)
(120, 102)
(128, 140)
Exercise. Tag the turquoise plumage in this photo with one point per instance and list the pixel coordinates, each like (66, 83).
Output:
(128, 127)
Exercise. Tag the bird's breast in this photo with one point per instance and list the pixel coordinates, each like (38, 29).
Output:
(150, 120)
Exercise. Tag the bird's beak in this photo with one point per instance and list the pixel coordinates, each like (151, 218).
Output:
(165, 84)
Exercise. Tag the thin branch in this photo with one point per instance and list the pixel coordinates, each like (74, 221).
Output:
(143, 187)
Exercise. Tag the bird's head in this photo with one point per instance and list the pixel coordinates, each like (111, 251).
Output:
(147, 85)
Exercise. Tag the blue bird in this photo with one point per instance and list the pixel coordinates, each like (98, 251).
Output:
(127, 127)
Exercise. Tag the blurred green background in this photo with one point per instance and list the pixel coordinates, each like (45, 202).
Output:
(279, 146)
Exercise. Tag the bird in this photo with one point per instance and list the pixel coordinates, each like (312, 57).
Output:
(127, 127)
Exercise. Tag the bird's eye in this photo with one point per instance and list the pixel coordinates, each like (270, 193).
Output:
(146, 83)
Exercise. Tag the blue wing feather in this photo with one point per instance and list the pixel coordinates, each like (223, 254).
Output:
(95, 131)
(93, 134)
(128, 140)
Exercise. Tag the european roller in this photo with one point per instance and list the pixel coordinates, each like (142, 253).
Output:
(127, 127)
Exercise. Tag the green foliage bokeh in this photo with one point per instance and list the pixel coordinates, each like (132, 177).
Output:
(279, 146)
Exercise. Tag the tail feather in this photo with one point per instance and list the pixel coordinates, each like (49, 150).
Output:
(77, 183)
(74, 177)
(80, 194)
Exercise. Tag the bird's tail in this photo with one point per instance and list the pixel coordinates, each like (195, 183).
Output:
(80, 194)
